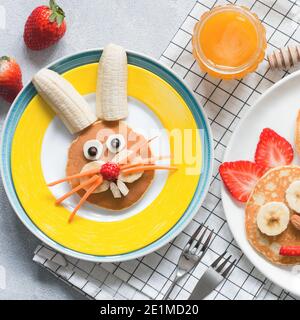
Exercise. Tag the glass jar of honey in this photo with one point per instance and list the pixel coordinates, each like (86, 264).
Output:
(229, 42)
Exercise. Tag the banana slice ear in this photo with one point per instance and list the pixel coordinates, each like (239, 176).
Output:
(111, 93)
(65, 101)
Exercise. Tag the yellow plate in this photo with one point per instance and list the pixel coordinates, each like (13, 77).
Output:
(135, 234)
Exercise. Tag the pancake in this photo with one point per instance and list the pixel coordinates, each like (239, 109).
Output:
(76, 161)
(271, 187)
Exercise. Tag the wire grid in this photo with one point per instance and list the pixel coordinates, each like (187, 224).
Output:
(225, 103)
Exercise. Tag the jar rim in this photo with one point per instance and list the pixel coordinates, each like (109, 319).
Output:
(227, 70)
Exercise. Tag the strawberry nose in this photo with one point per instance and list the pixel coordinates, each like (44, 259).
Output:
(110, 171)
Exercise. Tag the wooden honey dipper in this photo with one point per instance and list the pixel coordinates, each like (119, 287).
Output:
(284, 58)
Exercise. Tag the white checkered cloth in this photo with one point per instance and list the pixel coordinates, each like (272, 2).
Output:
(225, 103)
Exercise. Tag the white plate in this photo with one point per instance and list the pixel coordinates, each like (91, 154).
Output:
(143, 120)
(277, 109)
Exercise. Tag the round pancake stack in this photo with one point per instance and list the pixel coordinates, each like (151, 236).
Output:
(272, 188)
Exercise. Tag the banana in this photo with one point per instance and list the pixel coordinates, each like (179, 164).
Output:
(122, 187)
(111, 92)
(65, 101)
(273, 218)
(95, 165)
(292, 196)
(115, 190)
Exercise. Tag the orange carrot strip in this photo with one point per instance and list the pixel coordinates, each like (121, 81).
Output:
(144, 161)
(75, 176)
(95, 185)
(126, 166)
(146, 168)
(74, 190)
(138, 147)
(152, 159)
(132, 165)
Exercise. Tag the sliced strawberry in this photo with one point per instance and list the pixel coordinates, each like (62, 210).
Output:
(290, 251)
(240, 177)
(273, 150)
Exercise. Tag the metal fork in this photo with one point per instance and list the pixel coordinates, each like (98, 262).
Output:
(212, 277)
(191, 255)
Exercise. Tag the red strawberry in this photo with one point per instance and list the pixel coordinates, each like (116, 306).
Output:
(45, 26)
(273, 150)
(10, 78)
(240, 177)
(290, 251)
(110, 171)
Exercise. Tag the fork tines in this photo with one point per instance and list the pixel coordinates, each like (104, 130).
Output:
(193, 243)
(220, 268)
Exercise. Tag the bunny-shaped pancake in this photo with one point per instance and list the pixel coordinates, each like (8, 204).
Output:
(77, 162)
(109, 164)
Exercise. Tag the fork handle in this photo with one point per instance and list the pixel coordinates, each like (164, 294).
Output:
(166, 296)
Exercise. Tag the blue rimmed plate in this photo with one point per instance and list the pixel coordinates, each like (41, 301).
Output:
(162, 100)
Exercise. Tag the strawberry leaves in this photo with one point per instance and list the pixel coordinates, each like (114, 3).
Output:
(6, 58)
(44, 27)
(57, 14)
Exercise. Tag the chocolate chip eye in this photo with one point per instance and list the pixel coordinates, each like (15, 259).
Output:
(115, 143)
(92, 149)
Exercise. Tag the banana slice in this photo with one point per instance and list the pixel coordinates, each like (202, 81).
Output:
(65, 101)
(292, 195)
(273, 218)
(122, 187)
(111, 92)
(115, 143)
(95, 165)
(115, 190)
(92, 149)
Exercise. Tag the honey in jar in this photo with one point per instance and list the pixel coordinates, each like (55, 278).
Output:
(229, 42)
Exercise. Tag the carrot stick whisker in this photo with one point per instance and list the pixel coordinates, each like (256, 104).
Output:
(95, 185)
(74, 190)
(132, 165)
(145, 161)
(134, 149)
(152, 159)
(147, 168)
(75, 176)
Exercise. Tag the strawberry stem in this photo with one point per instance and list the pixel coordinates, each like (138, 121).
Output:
(5, 58)
(57, 13)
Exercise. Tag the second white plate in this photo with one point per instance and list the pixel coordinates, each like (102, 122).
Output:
(276, 109)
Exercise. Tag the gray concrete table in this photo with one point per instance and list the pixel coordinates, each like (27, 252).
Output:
(142, 25)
